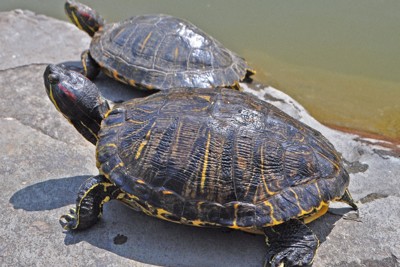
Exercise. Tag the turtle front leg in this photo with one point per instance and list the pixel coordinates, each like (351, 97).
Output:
(90, 67)
(92, 195)
(290, 244)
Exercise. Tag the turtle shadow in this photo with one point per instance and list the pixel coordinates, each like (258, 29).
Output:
(48, 195)
(323, 226)
(141, 238)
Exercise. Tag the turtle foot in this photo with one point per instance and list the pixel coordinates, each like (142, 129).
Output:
(290, 244)
(290, 257)
(92, 195)
(69, 221)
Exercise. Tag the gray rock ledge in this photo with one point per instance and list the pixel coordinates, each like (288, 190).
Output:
(43, 162)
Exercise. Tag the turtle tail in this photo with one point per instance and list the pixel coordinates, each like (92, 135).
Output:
(348, 199)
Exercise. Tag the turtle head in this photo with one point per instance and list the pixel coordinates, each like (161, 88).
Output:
(84, 17)
(77, 98)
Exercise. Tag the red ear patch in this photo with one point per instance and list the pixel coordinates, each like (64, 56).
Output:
(67, 92)
(86, 15)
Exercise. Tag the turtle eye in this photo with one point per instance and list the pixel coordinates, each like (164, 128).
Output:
(54, 78)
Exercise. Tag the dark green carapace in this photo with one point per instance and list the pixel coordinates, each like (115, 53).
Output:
(156, 52)
(204, 157)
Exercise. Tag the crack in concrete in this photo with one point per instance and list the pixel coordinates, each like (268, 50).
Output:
(38, 129)
(372, 197)
(355, 166)
(23, 66)
(272, 98)
(395, 259)
(386, 149)
(385, 154)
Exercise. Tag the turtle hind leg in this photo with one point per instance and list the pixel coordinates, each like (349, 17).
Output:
(92, 195)
(290, 244)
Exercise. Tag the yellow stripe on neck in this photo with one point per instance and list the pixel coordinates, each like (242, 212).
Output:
(75, 20)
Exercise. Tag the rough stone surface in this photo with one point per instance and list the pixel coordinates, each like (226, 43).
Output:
(36, 39)
(44, 161)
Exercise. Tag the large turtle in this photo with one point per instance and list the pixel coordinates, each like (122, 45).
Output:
(156, 52)
(204, 157)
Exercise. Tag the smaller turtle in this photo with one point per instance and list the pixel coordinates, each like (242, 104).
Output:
(204, 157)
(156, 52)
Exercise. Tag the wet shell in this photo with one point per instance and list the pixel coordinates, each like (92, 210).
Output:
(217, 158)
(163, 52)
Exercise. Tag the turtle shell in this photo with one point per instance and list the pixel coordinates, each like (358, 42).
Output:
(217, 158)
(163, 52)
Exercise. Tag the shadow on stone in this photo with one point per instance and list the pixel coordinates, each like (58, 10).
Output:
(150, 240)
(48, 195)
(323, 226)
(157, 242)
(153, 241)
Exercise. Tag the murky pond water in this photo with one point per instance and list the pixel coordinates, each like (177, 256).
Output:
(340, 59)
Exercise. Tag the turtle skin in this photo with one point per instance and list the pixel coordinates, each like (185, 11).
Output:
(217, 158)
(163, 52)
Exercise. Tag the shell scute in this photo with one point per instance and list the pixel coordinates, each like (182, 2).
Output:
(163, 52)
(217, 157)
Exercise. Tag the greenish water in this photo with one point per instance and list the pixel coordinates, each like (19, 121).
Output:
(340, 59)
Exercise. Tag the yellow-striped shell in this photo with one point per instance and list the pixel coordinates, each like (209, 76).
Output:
(163, 52)
(217, 158)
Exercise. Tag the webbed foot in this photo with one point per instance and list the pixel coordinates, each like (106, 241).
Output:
(92, 195)
(69, 221)
(290, 244)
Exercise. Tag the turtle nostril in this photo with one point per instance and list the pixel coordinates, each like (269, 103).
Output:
(53, 78)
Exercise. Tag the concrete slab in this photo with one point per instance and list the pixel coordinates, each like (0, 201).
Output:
(44, 161)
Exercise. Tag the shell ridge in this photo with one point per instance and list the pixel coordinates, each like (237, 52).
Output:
(111, 56)
(257, 208)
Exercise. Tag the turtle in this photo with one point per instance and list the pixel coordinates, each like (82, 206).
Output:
(156, 51)
(204, 157)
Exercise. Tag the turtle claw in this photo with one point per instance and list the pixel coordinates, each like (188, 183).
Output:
(69, 221)
(290, 257)
(290, 244)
